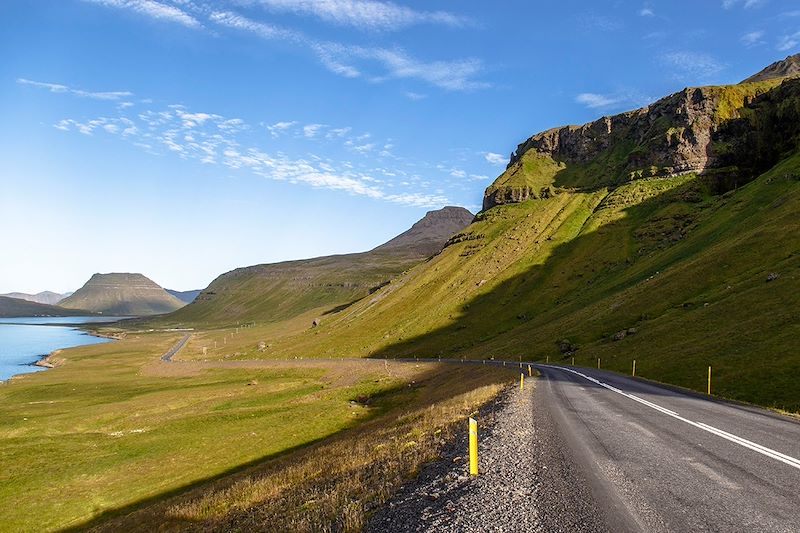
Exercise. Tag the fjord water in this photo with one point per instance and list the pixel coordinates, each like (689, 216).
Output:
(23, 341)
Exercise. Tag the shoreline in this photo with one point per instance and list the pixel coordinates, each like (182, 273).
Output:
(48, 360)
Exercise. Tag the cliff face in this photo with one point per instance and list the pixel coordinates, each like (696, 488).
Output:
(681, 133)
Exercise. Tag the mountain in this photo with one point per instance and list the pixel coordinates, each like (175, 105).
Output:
(185, 296)
(45, 297)
(668, 234)
(274, 292)
(122, 294)
(780, 69)
(17, 307)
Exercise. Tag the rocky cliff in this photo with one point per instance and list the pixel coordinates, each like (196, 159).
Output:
(685, 132)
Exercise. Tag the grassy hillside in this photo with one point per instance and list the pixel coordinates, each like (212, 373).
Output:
(122, 294)
(685, 271)
(13, 307)
(113, 428)
(281, 291)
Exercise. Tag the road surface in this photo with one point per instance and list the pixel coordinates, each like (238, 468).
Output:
(167, 357)
(661, 460)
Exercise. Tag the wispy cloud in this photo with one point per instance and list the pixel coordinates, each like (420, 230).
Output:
(411, 95)
(692, 66)
(752, 38)
(647, 11)
(594, 101)
(789, 41)
(593, 21)
(58, 88)
(265, 31)
(364, 14)
(212, 139)
(153, 9)
(747, 4)
(495, 159)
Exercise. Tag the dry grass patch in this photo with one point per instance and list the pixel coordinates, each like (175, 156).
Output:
(333, 485)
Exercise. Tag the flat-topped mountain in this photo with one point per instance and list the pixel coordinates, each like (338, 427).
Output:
(17, 307)
(272, 292)
(44, 297)
(122, 294)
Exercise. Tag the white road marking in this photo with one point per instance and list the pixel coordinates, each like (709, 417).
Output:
(778, 456)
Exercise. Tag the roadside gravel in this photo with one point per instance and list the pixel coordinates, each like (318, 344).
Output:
(526, 483)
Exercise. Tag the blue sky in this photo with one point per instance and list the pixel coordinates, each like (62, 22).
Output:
(184, 138)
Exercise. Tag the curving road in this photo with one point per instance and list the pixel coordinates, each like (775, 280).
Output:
(657, 459)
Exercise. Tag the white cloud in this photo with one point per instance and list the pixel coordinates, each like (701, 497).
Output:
(647, 11)
(752, 38)
(458, 173)
(495, 159)
(265, 31)
(747, 4)
(415, 96)
(456, 75)
(279, 127)
(357, 61)
(311, 130)
(594, 101)
(364, 14)
(692, 65)
(153, 9)
(789, 42)
(57, 88)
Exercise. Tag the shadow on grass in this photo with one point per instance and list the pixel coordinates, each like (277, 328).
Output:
(149, 512)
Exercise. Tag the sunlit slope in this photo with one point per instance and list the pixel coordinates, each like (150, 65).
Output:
(282, 291)
(684, 270)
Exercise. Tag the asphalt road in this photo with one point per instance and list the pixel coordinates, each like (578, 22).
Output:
(167, 357)
(661, 460)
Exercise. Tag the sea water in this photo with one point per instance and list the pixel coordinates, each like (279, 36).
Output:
(25, 340)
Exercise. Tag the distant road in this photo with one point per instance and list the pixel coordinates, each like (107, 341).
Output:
(175, 349)
(661, 460)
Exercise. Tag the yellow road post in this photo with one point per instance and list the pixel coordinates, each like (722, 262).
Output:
(598, 362)
(473, 447)
(633, 373)
(521, 381)
(709, 380)
(530, 372)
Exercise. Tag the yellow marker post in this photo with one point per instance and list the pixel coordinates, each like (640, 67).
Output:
(709, 381)
(473, 447)
(598, 362)
(573, 361)
(633, 373)
(530, 372)
(548, 359)
(521, 381)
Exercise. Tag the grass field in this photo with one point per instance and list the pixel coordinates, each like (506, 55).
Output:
(113, 426)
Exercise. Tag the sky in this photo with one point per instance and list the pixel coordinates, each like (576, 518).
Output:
(184, 138)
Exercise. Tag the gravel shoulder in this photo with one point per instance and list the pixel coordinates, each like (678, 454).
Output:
(527, 482)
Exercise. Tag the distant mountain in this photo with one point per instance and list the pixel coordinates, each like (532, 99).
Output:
(45, 297)
(784, 68)
(122, 294)
(274, 292)
(427, 235)
(16, 307)
(184, 296)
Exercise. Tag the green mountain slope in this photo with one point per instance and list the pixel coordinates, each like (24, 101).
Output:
(677, 247)
(122, 294)
(17, 307)
(280, 291)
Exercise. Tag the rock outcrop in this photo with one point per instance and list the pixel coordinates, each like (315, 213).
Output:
(677, 134)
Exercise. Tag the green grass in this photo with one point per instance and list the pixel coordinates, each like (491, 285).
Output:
(112, 426)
